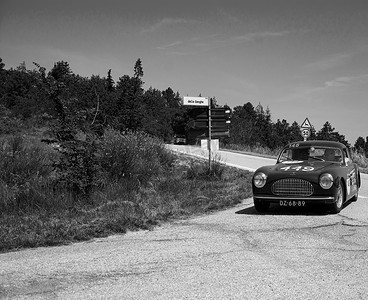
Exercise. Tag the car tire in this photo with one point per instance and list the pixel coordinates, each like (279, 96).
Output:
(336, 207)
(261, 206)
(356, 196)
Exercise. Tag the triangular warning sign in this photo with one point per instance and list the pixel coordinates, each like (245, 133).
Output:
(306, 124)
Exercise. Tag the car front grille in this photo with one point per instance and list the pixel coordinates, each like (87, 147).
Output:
(292, 187)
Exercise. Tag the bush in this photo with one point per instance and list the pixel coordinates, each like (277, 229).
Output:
(24, 174)
(77, 167)
(361, 160)
(133, 156)
(138, 183)
(9, 124)
(200, 168)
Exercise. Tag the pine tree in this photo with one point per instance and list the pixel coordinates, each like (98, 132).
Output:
(328, 133)
(360, 145)
(138, 70)
(109, 82)
(2, 65)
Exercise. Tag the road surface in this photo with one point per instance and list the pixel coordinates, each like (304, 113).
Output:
(232, 254)
(237, 159)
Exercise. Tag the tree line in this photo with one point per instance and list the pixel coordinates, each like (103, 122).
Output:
(253, 126)
(91, 105)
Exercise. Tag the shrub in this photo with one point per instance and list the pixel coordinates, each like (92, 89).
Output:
(133, 156)
(200, 168)
(361, 160)
(9, 124)
(24, 174)
(76, 168)
(126, 197)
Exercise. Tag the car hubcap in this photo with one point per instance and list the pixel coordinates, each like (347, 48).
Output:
(339, 197)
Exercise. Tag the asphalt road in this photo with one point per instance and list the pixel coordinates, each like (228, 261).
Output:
(232, 254)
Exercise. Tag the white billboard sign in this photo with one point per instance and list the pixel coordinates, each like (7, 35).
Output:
(196, 101)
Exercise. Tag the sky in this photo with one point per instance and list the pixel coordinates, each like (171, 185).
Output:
(300, 58)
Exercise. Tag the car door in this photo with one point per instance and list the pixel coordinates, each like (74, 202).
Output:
(351, 175)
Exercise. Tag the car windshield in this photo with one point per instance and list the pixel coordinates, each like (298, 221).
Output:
(310, 154)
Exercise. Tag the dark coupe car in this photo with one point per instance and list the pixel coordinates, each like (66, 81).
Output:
(180, 139)
(308, 172)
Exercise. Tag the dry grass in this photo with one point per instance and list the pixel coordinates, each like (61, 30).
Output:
(361, 160)
(176, 187)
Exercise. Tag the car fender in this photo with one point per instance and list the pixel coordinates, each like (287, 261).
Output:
(337, 181)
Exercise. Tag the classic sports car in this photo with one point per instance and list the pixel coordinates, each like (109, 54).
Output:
(308, 172)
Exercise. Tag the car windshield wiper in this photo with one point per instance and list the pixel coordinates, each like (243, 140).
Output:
(285, 158)
(317, 158)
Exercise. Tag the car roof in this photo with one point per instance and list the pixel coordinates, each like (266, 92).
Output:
(319, 143)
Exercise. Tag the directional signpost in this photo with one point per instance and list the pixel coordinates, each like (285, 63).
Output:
(305, 129)
(202, 101)
(220, 122)
(216, 120)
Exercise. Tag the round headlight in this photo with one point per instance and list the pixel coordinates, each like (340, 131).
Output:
(326, 181)
(259, 180)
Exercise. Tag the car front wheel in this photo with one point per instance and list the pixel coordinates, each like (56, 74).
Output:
(336, 207)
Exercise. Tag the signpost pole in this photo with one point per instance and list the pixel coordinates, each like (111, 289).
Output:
(203, 101)
(209, 135)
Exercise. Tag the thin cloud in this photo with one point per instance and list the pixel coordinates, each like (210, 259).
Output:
(203, 44)
(328, 63)
(167, 22)
(336, 60)
(347, 80)
(338, 82)
(306, 93)
(170, 45)
(264, 34)
(193, 46)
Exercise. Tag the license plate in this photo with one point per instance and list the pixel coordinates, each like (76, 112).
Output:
(292, 203)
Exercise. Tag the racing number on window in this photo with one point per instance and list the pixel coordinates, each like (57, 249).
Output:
(298, 168)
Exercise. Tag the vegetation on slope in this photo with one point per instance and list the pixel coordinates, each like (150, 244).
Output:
(137, 183)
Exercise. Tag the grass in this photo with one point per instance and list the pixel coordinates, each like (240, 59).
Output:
(138, 185)
(361, 160)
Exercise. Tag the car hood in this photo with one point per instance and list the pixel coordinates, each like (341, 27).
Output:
(307, 166)
(303, 169)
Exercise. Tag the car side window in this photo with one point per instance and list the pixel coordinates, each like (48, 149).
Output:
(348, 159)
(338, 155)
(285, 155)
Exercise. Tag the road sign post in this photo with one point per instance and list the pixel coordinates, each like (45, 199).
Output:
(215, 121)
(209, 138)
(305, 129)
(202, 101)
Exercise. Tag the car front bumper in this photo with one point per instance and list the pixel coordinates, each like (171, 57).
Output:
(311, 199)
